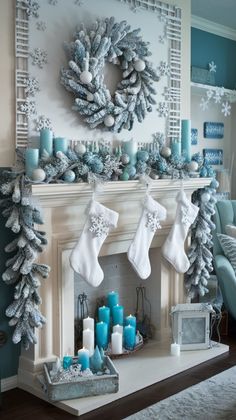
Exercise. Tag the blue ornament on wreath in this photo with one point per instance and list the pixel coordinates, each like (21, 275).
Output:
(142, 155)
(69, 176)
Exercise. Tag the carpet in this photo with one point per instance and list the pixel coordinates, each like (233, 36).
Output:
(214, 398)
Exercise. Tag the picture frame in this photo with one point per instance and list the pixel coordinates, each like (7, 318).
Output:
(214, 156)
(213, 130)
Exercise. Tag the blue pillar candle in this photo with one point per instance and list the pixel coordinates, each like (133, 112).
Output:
(67, 362)
(129, 337)
(112, 299)
(101, 333)
(31, 161)
(117, 315)
(186, 139)
(130, 147)
(131, 320)
(60, 145)
(83, 358)
(176, 147)
(46, 141)
(104, 314)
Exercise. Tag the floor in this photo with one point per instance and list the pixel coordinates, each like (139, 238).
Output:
(22, 405)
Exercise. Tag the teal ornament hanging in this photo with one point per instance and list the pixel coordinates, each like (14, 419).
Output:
(116, 43)
(69, 176)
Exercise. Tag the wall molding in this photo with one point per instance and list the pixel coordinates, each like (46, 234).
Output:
(213, 27)
(9, 383)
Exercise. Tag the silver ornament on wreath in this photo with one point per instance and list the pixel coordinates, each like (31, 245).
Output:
(117, 43)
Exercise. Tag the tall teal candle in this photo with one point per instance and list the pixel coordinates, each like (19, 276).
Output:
(112, 299)
(101, 333)
(46, 141)
(83, 358)
(130, 147)
(60, 144)
(175, 147)
(131, 320)
(117, 315)
(186, 139)
(104, 314)
(129, 337)
(31, 161)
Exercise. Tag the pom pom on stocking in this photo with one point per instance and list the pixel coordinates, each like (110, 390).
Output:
(153, 213)
(173, 248)
(84, 257)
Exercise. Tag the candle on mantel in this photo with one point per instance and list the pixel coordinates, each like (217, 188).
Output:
(67, 361)
(112, 299)
(186, 139)
(31, 161)
(88, 340)
(104, 314)
(46, 141)
(117, 315)
(175, 349)
(129, 337)
(60, 144)
(118, 328)
(131, 320)
(83, 358)
(88, 323)
(102, 334)
(116, 343)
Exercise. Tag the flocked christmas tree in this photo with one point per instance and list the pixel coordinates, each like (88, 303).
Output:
(21, 269)
(199, 254)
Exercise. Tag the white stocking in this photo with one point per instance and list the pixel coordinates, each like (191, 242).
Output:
(84, 257)
(173, 248)
(149, 222)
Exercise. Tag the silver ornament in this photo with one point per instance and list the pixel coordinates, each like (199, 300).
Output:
(193, 166)
(125, 159)
(165, 152)
(38, 175)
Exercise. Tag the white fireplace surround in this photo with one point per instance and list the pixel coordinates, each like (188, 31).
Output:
(65, 214)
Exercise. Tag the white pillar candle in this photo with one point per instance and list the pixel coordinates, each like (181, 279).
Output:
(88, 323)
(175, 349)
(116, 343)
(118, 328)
(88, 340)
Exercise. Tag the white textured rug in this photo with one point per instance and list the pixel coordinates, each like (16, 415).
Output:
(212, 399)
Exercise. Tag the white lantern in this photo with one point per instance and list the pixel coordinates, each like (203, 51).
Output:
(109, 120)
(86, 77)
(139, 65)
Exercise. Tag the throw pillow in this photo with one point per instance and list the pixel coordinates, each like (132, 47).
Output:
(231, 230)
(229, 247)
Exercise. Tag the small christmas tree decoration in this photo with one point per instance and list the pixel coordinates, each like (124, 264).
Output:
(84, 257)
(153, 213)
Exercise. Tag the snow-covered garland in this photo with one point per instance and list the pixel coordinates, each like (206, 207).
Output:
(108, 41)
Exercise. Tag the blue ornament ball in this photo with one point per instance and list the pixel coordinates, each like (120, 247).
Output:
(88, 157)
(97, 166)
(125, 158)
(131, 170)
(210, 172)
(203, 172)
(124, 176)
(142, 155)
(214, 184)
(69, 176)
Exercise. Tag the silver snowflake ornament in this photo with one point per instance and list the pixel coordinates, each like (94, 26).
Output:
(210, 93)
(212, 67)
(31, 7)
(162, 39)
(153, 221)
(41, 26)
(43, 122)
(28, 108)
(204, 104)
(31, 86)
(226, 108)
(162, 17)
(164, 68)
(39, 57)
(185, 218)
(111, 165)
(99, 226)
(163, 109)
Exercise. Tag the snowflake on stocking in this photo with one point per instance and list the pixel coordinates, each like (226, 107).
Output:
(153, 221)
(99, 226)
(185, 219)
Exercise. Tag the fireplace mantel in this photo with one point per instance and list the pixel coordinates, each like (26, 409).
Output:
(65, 213)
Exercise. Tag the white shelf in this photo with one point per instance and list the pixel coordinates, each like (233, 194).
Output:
(200, 89)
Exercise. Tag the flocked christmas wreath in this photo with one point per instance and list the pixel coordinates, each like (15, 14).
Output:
(108, 41)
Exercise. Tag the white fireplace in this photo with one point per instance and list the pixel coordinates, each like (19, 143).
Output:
(64, 213)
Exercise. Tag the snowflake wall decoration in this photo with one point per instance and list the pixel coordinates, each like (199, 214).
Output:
(39, 57)
(43, 122)
(41, 26)
(226, 108)
(31, 86)
(99, 226)
(153, 222)
(163, 109)
(164, 69)
(53, 2)
(28, 108)
(204, 104)
(31, 7)
(212, 67)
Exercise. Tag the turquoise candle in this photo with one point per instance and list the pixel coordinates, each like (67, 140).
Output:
(112, 299)
(101, 333)
(60, 145)
(175, 147)
(67, 362)
(129, 337)
(130, 147)
(83, 358)
(104, 314)
(131, 320)
(96, 361)
(46, 141)
(186, 139)
(31, 161)
(117, 315)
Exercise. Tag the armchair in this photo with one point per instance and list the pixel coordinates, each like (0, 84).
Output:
(225, 215)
